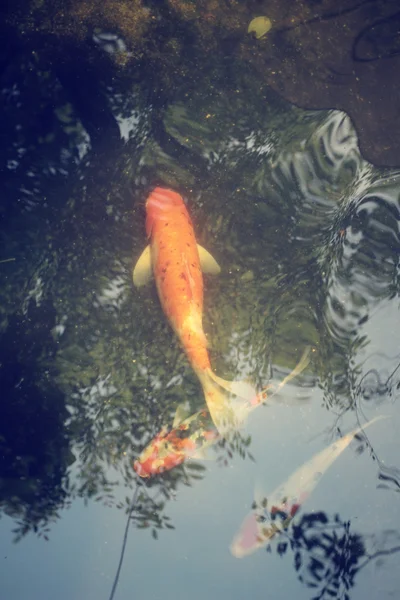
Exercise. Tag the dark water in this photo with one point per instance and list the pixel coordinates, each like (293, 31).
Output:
(307, 235)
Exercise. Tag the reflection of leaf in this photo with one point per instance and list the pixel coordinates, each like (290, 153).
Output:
(281, 548)
(328, 555)
(260, 26)
(114, 363)
(195, 466)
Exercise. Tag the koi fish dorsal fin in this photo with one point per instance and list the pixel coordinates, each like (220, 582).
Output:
(142, 273)
(208, 264)
(181, 414)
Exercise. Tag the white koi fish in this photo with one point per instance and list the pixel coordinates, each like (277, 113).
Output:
(270, 516)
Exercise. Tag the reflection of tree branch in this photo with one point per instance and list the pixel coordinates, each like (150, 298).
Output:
(236, 443)
(385, 473)
(327, 555)
(382, 388)
(125, 539)
(390, 474)
(377, 554)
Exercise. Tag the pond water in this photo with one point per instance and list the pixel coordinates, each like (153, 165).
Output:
(307, 236)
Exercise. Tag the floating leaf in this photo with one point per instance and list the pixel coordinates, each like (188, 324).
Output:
(260, 26)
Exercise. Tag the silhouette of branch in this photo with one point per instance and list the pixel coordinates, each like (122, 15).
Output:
(124, 541)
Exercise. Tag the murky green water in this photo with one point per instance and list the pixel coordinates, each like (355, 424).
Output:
(307, 235)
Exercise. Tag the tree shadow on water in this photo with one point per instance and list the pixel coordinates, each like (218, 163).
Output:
(34, 450)
(328, 554)
(40, 440)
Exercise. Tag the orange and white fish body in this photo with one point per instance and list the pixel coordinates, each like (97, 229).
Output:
(177, 262)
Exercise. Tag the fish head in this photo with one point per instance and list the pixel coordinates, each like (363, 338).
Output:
(247, 540)
(166, 451)
(256, 530)
(267, 519)
(159, 204)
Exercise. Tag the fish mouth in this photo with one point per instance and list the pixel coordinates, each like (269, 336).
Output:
(138, 467)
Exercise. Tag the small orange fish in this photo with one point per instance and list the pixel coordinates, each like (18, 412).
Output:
(171, 447)
(177, 261)
(191, 435)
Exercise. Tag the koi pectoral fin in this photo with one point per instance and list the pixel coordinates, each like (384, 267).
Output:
(142, 273)
(208, 263)
(203, 454)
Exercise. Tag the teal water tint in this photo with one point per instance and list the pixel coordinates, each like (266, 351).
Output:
(306, 233)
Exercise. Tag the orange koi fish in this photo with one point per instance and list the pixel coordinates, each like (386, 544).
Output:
(270, 516)
(187, 439)
(177, 261)
(191, 435)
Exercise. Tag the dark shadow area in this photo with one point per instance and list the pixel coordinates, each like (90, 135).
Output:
(34, 445)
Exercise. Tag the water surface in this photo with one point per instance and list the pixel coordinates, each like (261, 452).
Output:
(307, 236)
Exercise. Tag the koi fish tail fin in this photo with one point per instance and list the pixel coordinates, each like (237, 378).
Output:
(230, 402)
(227, 401)
(274, 389)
